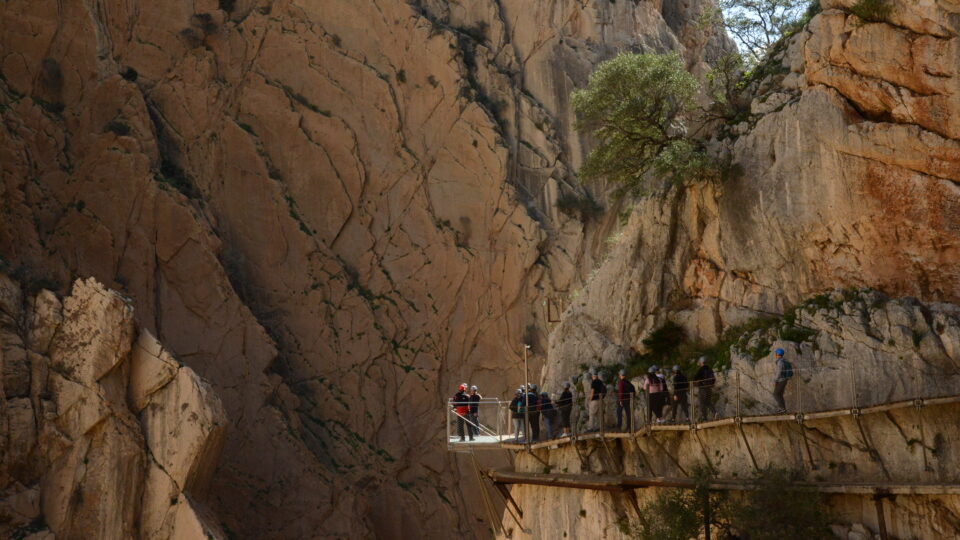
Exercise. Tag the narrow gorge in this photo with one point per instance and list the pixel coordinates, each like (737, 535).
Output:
(249, 249)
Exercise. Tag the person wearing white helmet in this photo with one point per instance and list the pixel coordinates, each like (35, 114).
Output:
(655, 388)
(474, 417)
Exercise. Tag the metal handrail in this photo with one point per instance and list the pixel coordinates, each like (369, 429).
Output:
(740, 394)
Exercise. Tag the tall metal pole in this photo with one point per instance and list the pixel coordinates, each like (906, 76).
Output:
(526, 398)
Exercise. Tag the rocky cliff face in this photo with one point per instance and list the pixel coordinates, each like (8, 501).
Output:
(851, 177)
(333, 211)
(859, 349)
(104, 433)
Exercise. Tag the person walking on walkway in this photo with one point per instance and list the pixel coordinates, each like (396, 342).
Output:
(598, 391)
(784, 371)
(474, 411)
(461, 406)
(680, 388)
(516, 413)
(703, 381)
(654, 387)
(625, 395)
(533, 409)
(549, 413)
(565, 406)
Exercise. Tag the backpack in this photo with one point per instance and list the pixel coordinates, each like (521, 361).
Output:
(787, 370)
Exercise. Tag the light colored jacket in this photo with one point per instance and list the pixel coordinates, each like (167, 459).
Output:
(781, 366)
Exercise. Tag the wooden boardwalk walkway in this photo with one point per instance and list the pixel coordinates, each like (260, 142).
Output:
(511, 444)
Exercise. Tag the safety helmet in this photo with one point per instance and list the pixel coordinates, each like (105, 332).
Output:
(474, 387)
(779, 352)
(519, 390)
(463, 386)
(652, 369)
(702, 360)
(623, 372)
(676, 367)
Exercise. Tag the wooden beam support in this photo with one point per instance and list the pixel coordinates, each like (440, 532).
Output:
(624, 482)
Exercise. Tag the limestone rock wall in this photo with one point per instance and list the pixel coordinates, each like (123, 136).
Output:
(854, 348)
(104, 433)
(888, 449)
(851, 178)
(333, 211)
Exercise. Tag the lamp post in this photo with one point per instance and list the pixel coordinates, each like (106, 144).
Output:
(526, 398)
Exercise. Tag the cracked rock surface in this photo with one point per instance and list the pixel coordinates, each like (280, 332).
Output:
(104, 433)
(851, 178)
(333, 211)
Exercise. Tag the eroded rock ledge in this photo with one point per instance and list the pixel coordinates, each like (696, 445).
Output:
(104, 433)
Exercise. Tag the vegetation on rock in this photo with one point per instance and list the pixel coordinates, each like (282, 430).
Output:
(872, 10)
(638, 106)
(776, 508)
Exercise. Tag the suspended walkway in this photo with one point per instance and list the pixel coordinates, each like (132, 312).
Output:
(813, 394)
(733, 403)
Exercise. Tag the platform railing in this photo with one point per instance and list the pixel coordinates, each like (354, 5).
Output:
(747, 392)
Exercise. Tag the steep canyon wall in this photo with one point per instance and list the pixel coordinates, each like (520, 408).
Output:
(333, 211)
(851, 178)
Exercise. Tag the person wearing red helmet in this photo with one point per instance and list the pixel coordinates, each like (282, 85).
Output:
(461, 406)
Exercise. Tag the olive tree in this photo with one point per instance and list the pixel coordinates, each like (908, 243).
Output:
(638, 106)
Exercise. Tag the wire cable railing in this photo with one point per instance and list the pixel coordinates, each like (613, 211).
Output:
(749, 391)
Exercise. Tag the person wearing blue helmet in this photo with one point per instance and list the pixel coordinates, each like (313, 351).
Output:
(784, 371)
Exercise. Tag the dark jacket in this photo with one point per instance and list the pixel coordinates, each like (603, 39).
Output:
(704, 377)
(625, 390)
(598, 389)
(474, 403)
(547, 408)
(532, 400)
(680, 382)
(515, 408)
(566, 400)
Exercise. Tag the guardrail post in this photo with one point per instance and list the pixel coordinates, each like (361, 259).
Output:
(800, 389)
(739, 412)
(603, 413)
(499, 419)
(695, 394)
(853, 387)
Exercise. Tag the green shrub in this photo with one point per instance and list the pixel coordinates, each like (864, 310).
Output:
(584, 207)
(872, 10)
(778, 509)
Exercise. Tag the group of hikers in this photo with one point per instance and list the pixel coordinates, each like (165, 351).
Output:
(529, 407)
(655, 385)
